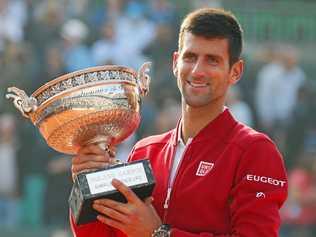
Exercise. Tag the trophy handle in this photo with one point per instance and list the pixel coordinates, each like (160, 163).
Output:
(143, 79)
(22, 101)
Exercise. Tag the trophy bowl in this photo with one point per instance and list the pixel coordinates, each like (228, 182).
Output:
(95, 105)
(98, 105)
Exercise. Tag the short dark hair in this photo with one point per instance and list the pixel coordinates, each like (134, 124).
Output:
(214, 23)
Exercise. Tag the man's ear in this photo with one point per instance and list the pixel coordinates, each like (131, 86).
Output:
(236, 71)
(175, 63)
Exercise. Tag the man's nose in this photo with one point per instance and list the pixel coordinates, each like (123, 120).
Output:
(198, 69)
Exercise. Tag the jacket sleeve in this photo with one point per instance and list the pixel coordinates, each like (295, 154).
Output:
(259, 191)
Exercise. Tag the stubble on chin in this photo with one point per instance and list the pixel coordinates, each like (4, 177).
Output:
(196, 101)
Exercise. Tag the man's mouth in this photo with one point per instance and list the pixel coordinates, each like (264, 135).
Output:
(198, 84)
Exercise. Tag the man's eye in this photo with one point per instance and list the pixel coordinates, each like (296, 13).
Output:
(213, 61)
(189, 58)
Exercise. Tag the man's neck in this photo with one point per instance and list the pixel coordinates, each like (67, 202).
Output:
(194, 119)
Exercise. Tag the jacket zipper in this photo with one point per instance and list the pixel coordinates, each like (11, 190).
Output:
(170, 184)
(166, 204)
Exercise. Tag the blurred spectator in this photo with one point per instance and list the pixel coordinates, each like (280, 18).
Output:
(59, 185)
(33, 157)
(149, 113)
(105, 10)
(44, 24)
(76, 8)
(76, 54)
(17, 69)
(54, 65)
(300, 126)
(107, 49)
(114, 9)
(238, 107)
(134, 25)
(292, 78)
(278, 84)
(12, 20)
(9, 197)
(160, 50)
(310, 136)
(162, 12)
(267, 76)
(168, 116)
(299, 212)
(182, 7)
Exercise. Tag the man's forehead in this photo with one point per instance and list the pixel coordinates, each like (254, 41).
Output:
(190, 36)
(196, 41)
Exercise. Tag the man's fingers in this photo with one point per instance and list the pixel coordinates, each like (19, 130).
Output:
(92, 149)
(85, 158)
(126, 191)
(118, 206)
(89, 165)
(112, 213)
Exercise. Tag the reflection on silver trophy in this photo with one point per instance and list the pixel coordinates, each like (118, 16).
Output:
(99, 105)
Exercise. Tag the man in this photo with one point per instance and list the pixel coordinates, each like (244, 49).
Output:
(214, 175)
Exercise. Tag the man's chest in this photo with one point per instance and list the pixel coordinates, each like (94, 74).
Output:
(201, 187)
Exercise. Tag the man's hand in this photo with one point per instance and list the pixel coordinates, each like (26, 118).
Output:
(135, 218)
(91, 157)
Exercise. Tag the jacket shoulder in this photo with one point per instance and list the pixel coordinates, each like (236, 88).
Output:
(244, 136)
(155, 139)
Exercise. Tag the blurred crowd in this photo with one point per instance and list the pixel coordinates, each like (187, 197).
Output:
(43, 39)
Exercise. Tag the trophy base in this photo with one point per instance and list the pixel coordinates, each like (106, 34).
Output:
(94, 185)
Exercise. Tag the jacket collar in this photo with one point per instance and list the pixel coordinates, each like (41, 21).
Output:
(217, 128)
(176, 133)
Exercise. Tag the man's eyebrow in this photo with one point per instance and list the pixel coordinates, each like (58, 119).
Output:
(189, 53)
(214, 56)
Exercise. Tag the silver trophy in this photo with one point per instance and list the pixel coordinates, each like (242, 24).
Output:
(99, 105)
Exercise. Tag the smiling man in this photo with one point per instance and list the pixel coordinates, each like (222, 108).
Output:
(206, 168)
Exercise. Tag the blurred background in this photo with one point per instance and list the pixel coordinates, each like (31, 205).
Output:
(43, 39)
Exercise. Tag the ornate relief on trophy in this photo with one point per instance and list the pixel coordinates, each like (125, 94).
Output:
(99, 105)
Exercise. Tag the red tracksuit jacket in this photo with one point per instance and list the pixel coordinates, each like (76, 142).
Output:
(231, 182)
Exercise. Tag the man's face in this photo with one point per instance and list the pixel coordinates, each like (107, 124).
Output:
(202, 70)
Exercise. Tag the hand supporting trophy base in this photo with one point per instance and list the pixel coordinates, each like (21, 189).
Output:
(89, 186)
(99, 105)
